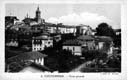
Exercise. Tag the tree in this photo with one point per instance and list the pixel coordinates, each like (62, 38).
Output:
(94, 54)
(114, 61)
(64, 59)
(104, 29)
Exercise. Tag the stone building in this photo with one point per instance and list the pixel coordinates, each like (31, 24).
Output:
(79, 44)
(41, 42)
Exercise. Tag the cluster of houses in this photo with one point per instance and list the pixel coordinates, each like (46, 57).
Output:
(33, 60)
(84, 37)
(88, 43)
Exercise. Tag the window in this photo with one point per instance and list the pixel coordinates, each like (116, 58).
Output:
(67, 48)
(48, 42)
(73, 48)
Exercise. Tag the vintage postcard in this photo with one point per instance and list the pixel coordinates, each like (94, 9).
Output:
(64, 40)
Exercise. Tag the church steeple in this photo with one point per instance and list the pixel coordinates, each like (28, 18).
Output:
(38, 16)
(38, 13)
(38, 9)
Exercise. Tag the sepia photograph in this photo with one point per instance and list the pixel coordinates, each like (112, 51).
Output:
(62, 38)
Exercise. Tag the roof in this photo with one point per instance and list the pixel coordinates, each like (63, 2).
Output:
(27, 56)
(103, 39)
(59, 25)
(33, 55)
(28, 19)
(34, 68)
(117, 30)
(49, 24)
(73, 42)
(82, 25)
(32, 31)
(11, 17)
(45, 33)
(85, 37)
(22, 25)
(94, 30)
(44, 37)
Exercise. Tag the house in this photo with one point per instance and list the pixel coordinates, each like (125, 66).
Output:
(12, 42)
(10, 20)
(57, 38)
(104, 43)
(79, 44)
(66, 29)
(37, 27)
(83, 30)
(74, 45)
(33, 56)
(19, 25)
(117, 31)
(25, 59)
(88, 42)
(60, 28)
(94, 31)
(41, 42)
(51, 28)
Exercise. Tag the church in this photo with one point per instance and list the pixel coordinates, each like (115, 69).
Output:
(38, 23)
(36, 20)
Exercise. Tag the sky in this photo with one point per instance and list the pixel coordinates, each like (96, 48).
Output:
(70, 14)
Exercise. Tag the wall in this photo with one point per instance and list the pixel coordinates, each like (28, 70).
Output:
(42, 45)
(39, 61)
(76, 50)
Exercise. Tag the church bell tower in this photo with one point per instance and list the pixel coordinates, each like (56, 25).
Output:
(38, 13)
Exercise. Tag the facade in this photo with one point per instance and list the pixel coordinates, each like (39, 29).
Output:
(13, 43)
(73, 45)
(10, 20)
(26, 59)
(51, 29)
(88, 42)
(83, 30)
(81, 43)
(104, 44)
(94, 31)
(41, 42)
(60, 28)
(76, 50)
(117, 31)
(66, 29)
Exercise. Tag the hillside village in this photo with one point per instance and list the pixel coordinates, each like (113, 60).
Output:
(36, 45)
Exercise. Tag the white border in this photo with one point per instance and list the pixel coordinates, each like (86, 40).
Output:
(94, 76)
